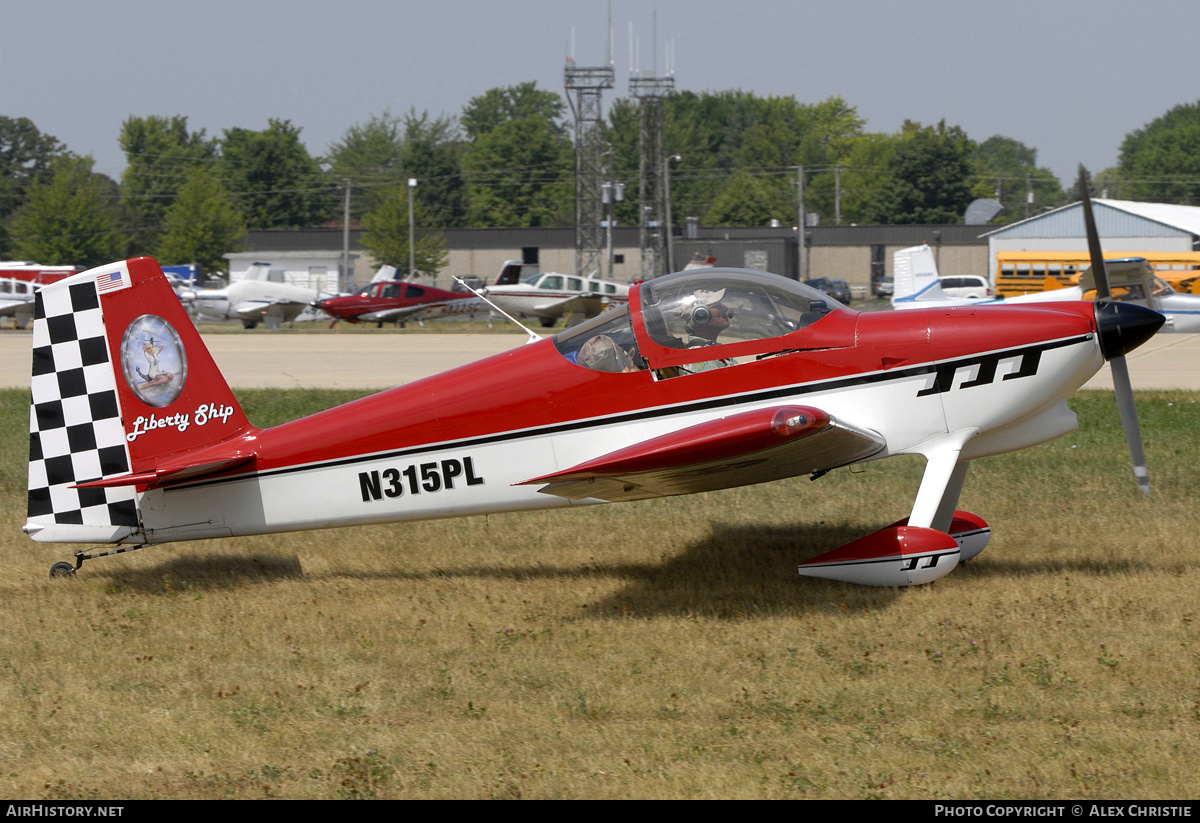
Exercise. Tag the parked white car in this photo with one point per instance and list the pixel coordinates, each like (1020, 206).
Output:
(969, 286)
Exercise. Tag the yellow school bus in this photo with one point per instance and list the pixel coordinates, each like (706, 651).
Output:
(1027, 272)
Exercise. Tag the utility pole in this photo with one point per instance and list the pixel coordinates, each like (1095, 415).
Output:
(801, 252)
(669, 226)
(611, 193)
(347, 275)
(412, 248)
(837, 195)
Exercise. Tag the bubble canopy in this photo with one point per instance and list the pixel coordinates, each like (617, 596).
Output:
(701, 315)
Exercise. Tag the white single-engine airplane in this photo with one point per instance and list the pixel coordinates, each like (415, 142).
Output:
(255, 299)
(16, 299)
(1130, 280)
(549, 296)
(705, 380)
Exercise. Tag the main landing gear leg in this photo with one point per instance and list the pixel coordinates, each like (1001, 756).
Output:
(936, 505)
(942, 483)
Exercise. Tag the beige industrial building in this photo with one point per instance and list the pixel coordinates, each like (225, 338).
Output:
(857, 254)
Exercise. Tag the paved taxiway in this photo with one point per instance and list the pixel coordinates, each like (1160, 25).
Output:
(289, 360)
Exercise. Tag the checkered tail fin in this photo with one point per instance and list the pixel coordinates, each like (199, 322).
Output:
(124, 395)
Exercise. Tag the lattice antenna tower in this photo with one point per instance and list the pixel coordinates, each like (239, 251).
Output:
(651, 93)
(584, 85)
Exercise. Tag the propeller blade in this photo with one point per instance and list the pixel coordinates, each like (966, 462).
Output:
(1103, 292)
(1119, 337)
(1129, 420)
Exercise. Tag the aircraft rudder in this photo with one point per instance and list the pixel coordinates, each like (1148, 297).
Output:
(75, 427)
(915, 276)
(510, 273)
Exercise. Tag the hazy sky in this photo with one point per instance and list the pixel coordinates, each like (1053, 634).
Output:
(1068, 78)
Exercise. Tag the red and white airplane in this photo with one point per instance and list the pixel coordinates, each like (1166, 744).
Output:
(389, 300)
(705, 380)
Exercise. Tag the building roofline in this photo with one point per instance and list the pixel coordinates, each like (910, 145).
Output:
(1116, 205)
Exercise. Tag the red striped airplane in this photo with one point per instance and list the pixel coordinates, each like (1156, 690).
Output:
(706, 379)
(397, 301)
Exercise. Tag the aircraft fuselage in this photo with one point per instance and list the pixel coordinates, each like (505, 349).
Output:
(460, 442)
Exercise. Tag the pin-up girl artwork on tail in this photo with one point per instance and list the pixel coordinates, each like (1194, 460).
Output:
(154, 360)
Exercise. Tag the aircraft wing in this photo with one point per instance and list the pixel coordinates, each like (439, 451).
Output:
(257, 309)
(586, 303)
(10, 307)
(396, 314)
(424, 311)
(751, 447)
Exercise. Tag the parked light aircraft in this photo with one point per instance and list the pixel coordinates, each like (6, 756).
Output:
(255, 299)
(19, 279)
(704, 380)
(549, 296)
(16, 300)
(387, 299)
(1131, 279)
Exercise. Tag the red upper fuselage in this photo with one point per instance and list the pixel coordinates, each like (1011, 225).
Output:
(536, 387)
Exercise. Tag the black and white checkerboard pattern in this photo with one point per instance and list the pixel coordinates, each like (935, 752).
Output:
(75, 429)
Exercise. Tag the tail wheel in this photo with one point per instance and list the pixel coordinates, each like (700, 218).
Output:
(62, 570)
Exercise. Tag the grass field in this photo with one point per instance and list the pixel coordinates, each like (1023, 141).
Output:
(664, 649)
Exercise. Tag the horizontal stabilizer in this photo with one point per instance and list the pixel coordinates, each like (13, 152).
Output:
(751, 447)
(170, 474)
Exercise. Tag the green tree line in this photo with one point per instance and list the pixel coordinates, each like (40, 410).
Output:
(507, 160)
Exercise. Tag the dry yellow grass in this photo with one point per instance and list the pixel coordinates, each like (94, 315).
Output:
(662, 649)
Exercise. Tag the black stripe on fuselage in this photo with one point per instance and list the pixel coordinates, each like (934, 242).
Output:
(759, 396)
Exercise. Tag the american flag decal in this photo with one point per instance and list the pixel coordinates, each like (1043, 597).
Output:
(112, 281)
